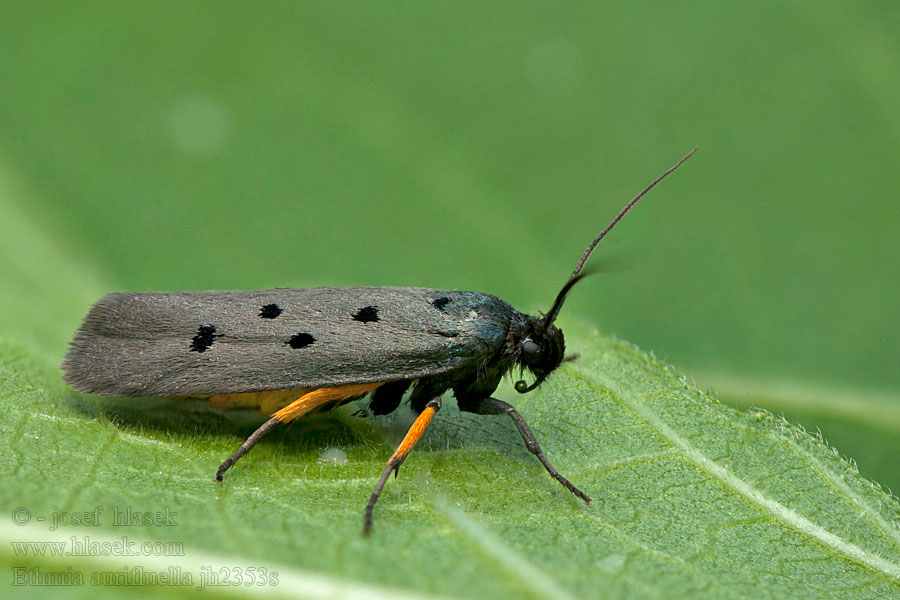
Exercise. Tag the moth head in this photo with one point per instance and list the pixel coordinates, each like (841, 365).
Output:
(540, 346)
(541, 351)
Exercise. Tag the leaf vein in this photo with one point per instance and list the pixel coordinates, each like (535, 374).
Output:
(784, 514)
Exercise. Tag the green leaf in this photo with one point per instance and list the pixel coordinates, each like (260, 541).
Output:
(863, 423)
(157, 147)
(346, 144)
(691, 497)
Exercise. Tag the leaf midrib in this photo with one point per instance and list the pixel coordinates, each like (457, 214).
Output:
(727, 478)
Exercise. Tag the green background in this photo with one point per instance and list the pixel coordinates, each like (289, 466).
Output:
(480, 146)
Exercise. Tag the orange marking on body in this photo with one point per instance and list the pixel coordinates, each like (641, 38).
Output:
(413, 435)
(320, 396)
(267, 402)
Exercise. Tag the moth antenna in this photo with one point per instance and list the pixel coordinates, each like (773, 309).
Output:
(577, 275)
(618, 217)
(560, 298)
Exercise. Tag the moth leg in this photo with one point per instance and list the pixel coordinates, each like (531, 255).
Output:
(492, 406)
(299, 407)
(409, 441)
(245, 447)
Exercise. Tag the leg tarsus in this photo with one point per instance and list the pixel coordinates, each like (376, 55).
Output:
(492, 406)
(245, 447)
(370, 505)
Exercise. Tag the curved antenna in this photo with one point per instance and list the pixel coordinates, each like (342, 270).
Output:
(577, 275)
(560, 298)
(600, 236)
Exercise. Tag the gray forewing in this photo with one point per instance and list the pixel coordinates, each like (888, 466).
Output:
(203, 343)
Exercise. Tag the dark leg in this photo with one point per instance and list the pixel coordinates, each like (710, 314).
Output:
(251, 441)
(412, 436)
(492, 406)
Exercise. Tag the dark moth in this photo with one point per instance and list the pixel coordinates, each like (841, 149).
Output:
(317, 348)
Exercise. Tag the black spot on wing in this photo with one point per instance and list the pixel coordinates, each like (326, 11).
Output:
(301, 340)
(440, 303)
(205, 337)
(367, 314)
(270, 311)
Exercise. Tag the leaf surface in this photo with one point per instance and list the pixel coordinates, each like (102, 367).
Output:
(691, 498)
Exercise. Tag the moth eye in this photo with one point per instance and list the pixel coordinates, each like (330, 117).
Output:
(530, 347)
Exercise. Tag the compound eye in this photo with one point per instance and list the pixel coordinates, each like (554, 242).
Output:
(530, 347)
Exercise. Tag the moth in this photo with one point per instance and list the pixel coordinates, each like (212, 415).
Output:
(293, 351)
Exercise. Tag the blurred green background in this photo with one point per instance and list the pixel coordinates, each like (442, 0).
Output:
(167, 146)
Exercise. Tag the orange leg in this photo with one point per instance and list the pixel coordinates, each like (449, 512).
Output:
(316, 398)
(409, 441)
(295, 409)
